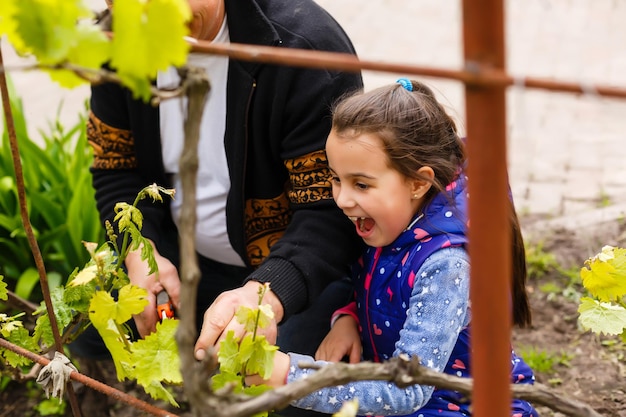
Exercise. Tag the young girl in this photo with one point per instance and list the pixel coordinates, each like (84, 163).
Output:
(397, 172)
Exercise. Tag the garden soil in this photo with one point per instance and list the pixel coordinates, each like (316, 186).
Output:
(578, 365)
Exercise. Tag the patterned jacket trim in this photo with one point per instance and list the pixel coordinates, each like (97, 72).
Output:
(309, 177)
(266, 221)
(113, 148)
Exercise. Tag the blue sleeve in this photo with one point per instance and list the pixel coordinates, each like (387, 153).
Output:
(438, 311)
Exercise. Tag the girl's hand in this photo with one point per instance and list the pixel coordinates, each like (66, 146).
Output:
(342, 340)
(279, 373)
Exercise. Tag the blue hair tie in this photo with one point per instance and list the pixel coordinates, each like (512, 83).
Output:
(406, 83)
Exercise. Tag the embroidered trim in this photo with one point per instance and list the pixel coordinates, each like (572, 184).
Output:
(113, 148)
(310, 178)
(266, 221)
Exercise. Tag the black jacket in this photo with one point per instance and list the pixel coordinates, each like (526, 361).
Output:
(277, 121)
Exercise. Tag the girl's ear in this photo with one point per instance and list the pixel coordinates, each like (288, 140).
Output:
(419, 187)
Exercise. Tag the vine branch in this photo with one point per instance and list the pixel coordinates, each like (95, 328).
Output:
(403, 372)
(195, 374)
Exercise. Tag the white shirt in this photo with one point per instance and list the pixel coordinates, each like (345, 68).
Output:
(213, 182)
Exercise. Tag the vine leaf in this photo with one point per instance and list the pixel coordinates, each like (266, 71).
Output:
(128, 217)
(84, 276)
(8, 26)
(113, 338)
(260, 356)
(4, 294)
(149, 36)
(18, 335)
(604, 274)
(91, 50)
(155, 359)
(131, 300)
(63, 312)
(348, 409)
(228, 354)
(48, 28)
(601, 317)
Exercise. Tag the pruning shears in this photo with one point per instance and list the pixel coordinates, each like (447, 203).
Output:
(165, 308)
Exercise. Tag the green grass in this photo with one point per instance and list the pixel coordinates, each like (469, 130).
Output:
(60, 204)
(542, 360)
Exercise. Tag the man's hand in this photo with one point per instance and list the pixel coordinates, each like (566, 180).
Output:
(220, 316)
(165, 279)
(342, 340)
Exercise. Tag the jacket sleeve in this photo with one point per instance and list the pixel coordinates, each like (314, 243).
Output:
(116, 178)
(438, 311)
(320, 243)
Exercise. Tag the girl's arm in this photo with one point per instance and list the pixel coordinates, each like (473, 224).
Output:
(438, 311)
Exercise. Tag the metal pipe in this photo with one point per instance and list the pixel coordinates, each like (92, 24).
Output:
(489, 230)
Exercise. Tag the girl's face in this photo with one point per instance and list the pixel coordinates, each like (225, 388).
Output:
(208, 16)
(379, 200)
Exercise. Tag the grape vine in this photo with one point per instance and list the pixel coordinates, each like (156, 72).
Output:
(147, 36)
(88, 299)
(604, 276)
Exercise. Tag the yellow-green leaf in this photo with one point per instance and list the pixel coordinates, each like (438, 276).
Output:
(348, 409)
(261, 359)
(20, 337)
(102, 311)
(605, 274)
(131, 300)
(223, 378)
(48, 28)
(8, 24)
(228, 355)
(601, 317)
(85, 275)
(156, 360)
(266, 315)
(92, 48)
(148, 37)
(4, 294)
(247, 316)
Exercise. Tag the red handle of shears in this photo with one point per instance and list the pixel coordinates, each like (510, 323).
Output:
(165, 308)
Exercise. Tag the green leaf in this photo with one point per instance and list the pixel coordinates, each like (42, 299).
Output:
(64, 316)
(92, 48)
(26, 282)
(266, 315)
(48, 27)
(131, 300)
(601, 317)
(21, 338)
(4, 294)
(78, 297)
(8, 25)
(149, 37)
(605, 274)
(228, 355)
(115, 341)
(84, 276)
(155, 358)
(223, 378)
(247, 316)
(348, 409)
(261, 359)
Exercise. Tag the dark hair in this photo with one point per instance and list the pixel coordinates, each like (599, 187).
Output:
(414, 128)
(416, 131)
